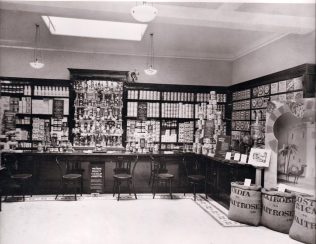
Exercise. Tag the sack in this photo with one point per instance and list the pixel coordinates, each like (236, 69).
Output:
(277, 210)
(304, 224)
(245, 203)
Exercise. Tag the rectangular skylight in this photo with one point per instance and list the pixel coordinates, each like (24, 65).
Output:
(95, 28)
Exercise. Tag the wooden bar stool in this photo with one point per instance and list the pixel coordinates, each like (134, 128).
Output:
(123, 173)
(68, 179)
(18, 176)
(161, 176)
(194, 175)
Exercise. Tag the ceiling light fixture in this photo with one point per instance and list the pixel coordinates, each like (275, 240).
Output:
(150, 58)
(144, 12)
(37, 62)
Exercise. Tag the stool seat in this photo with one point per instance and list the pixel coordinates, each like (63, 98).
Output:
(165, 176)
(122, 176)
(72, 176)
(196, 177)
(21, 176)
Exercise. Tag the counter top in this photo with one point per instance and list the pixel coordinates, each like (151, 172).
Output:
(94, 156)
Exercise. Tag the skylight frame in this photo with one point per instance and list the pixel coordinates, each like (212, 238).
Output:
(95, 28)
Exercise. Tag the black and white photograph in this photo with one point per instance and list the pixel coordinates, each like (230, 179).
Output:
(157, 122)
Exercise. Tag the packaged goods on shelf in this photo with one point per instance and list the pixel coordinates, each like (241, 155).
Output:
(98, 113)
(148, 95)
(21, 135)
(178, 96)
(209, 125)
(51, 91)
(186, 131)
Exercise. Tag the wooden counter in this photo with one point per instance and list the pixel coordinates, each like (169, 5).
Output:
(219, 173)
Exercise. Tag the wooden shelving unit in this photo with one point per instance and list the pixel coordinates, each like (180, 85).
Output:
(249, 99)
(18, 97)
(175, 113)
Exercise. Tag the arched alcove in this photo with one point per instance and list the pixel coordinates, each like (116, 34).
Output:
(291, 135)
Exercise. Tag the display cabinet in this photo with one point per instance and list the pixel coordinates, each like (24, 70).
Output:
(33, 111)
(98, 105)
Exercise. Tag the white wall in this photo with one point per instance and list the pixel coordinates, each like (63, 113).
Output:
(15, 63)
(288, 52)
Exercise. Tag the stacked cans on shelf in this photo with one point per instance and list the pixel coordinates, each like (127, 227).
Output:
(209, 126)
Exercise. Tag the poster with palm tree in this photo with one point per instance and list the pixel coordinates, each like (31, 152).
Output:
(286, 152)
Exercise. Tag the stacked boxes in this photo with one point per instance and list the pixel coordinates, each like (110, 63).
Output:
(178, 96)
(21, 135)
(205, 97)
(176, 110)
(149, 95)
(132, 109)
(143, 129)
(210, 118)
(142, 132)
(186, 131)
(39, 128)
(25, 105)
(152, 110)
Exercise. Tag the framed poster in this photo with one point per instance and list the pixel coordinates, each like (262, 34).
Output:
(58, 108)
(142, 111)
(259, 157)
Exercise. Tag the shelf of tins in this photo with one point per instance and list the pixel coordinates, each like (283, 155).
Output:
(164, 117)
(98, 105)
(250, 99)
(33, 111)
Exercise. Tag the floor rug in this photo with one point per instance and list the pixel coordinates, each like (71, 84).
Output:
(216, 213)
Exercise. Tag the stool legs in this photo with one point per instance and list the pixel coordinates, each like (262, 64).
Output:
(170, 188)
(117, 188)
(114, 187)
(133, 186)
(155, 185)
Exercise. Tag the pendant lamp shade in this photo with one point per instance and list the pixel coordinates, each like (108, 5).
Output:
(144, 12)
(150, 70)
(37, 62)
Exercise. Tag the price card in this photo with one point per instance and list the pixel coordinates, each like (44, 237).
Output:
(228, 156)
(243, 158)
(237, 156)
(247, 182)
(281, 188)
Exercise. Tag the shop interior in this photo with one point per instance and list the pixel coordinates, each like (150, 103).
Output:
(157, 122)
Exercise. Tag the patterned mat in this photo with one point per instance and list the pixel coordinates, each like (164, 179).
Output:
(208, 205)
(216, 213)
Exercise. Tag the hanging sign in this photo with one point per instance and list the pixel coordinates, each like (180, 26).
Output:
(142, 111)
(58, 109)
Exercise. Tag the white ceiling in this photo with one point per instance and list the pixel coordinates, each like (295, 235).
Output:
(199, 30)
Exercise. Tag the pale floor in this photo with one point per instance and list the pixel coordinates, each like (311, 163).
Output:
(142, 221)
